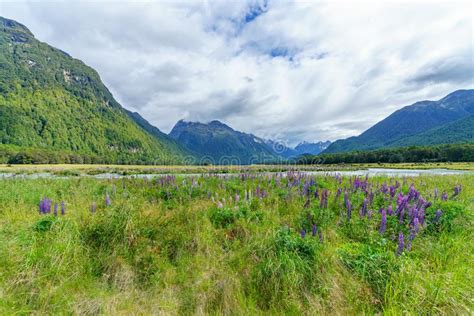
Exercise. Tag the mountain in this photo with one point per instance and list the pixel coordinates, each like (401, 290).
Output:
(459, 131)
(311, 148)
(217, 143)
(51, 101)
(280, 149)
(410, 121)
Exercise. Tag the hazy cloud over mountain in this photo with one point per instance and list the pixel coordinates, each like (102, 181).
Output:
(278, 69)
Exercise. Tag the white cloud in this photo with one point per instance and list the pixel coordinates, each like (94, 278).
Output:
(294, 71)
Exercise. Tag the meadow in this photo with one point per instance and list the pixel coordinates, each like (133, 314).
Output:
(237, 244)
(93, 169)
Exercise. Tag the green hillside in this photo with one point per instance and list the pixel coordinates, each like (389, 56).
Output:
(51, 101)
(460, 131)
(413, 123)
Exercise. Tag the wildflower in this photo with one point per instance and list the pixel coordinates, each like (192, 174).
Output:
(416, 225)
(436, 193)
(414, 230)
(390, 210)
(324, 199)
(401, 243)
(363, 209)
(392, 191)
(348, 205)
(371, 197)
(45, 206)
(55, 209)
(306, 189)
(303, 233)
(369, 214)
(237, 198)
(421, 216)
(107, 200)
(457, 190)
(444, 196)
(314, 230)
(219, 204)
(438, 216)
(320, 236)
(383, 222)
(63, 208)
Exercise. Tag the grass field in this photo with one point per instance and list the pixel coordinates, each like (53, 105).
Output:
(253, 244)
(139, 169)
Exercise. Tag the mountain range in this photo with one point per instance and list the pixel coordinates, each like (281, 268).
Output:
(57, 108)
(216, 141)
(448, 120)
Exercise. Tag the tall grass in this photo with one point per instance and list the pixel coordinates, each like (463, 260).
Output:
(168, 246)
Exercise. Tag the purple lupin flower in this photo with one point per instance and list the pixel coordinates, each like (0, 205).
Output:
(55, 209)
(93, 207)
(401, 243)
(63, 208)
(369, 214)
(371, 197)
(383, 222)
(320, 236)
(414, 230)
(363, 209)
(457, 190)
(401, 215)
(107, 200)
(219, 204)
(421, 216)
(438, 216)
(444, 196)
(384, 188)
(390, 210)
(392, 191)
(237, 198)
(324, 199)
(416, 225)
(303, 233)
(45, 206)
(348, 205)
(411, 192)
(314, 230)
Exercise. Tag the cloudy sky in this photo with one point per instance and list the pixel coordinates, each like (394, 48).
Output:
(291, 71)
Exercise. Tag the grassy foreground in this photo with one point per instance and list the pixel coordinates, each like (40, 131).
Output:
(237, 245)
(79, 169)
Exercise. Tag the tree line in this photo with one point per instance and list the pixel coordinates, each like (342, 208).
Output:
(438, 153)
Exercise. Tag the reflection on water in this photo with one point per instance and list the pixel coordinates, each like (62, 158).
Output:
(370, 172)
